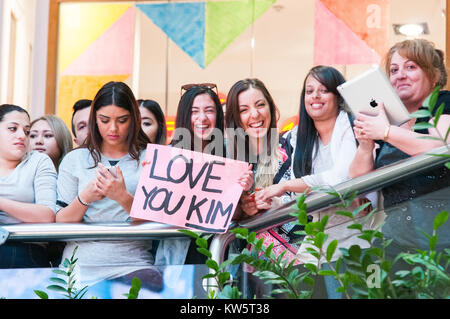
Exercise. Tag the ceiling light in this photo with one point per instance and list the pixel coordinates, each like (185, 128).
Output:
(411, 29)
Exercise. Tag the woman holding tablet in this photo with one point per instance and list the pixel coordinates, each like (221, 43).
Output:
(415, 68)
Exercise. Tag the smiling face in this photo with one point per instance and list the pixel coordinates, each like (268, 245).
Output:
(409, 80)
(254, 113)
(113, 124)
(320, 103)
(14, 131)
(42, 139)
(149, 123)
(203, 117)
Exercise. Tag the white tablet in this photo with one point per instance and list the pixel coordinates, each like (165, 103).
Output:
(364, 92)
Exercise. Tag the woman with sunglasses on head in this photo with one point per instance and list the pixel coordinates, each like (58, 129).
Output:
(153, 121)
(97, 182)
(27, 188)
(199, 127)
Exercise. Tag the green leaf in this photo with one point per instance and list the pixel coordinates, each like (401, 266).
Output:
(201, 243)
(440, 220)
(431, 102)
(60, 272)
(331, 249)
(251, 238)
(212, 264)
(58, 280)
(41, 294)
(204, 252)
(56, 288)
(268, 251)
(433, 241)
(421, 113)
(361, 208)
(327, 273)
(241, 233)
(422, 126)
(344, 213)
(355, 226)
(438, 114)
(223, 277)
(189, 233)
(447, 165)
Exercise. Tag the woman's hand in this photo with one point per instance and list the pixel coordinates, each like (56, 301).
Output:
(246, 180)
(251, 206)
(91, 193)
(109, 183)
(369, 127)
(269, 192)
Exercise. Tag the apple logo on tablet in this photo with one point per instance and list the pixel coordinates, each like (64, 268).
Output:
(373, 103)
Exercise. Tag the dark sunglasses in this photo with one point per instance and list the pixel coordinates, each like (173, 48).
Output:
(187, 87)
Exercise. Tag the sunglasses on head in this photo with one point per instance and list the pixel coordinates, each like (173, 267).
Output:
(187, 87)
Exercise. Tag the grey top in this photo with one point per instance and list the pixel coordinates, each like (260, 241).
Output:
(75, 173)
(32, 181)
(98, 260)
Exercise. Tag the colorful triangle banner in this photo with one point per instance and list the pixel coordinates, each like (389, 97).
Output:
(347, 35)
(203, 30)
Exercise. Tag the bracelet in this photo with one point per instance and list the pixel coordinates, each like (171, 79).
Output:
(81, 202)
(386, 132)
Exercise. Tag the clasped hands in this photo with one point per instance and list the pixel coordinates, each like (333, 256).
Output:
(107, 183)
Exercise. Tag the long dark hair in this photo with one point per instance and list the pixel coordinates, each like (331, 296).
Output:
(7, 108)
(118, 94)
(155, 108)
(306, 132)
(233, 117)
(184, 114)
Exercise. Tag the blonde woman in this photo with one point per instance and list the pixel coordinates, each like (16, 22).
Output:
(50, 135)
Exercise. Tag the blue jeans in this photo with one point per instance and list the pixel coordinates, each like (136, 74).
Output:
(23, 255)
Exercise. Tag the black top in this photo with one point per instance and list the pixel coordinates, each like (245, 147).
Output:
(422, 183)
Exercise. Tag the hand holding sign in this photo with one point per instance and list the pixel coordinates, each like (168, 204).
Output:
(188, 189)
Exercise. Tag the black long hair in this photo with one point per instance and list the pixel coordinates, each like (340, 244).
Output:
(184, 114)
(118, 94)
(306, 132)
(233, 117)
(155, 108)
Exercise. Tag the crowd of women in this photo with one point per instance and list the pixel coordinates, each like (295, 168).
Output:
(44, 179)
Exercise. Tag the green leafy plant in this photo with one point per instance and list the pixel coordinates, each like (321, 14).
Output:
(223, 287)
(134, 289)
(65, 285)
(429, 107)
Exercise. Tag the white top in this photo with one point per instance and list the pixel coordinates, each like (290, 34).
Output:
(32, 181)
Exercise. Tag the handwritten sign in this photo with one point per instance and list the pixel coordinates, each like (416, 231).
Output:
(188, 189)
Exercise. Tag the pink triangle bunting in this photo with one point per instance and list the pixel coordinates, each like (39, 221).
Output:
(111, 53)
(335, 43)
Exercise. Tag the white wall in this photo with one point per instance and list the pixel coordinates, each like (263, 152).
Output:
(23, 11)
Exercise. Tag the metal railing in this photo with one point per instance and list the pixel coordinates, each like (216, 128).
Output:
(271, 218)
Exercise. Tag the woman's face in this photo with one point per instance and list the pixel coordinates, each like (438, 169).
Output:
(409, 80)
(14, 132)
(203, 117)
(42, 139)
(320, 103)
(254, 113)
(113, 124)
(149, 123)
